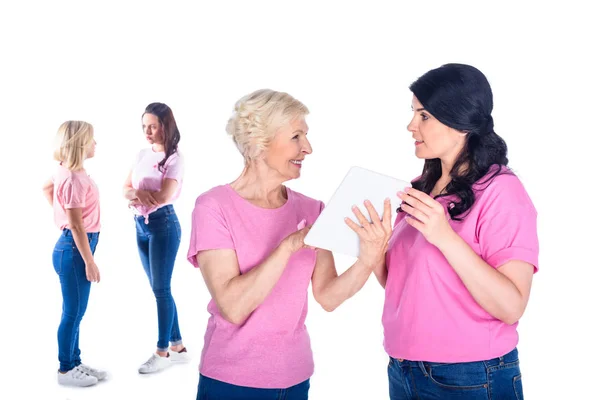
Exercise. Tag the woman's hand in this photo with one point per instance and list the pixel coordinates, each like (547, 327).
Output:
(145, 198)
(426, 215)
(134, 203)
(374, 236)
(92, 272)
(295, 241)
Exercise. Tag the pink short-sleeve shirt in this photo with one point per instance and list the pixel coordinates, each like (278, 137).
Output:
(75, 189)
(146, 175)
(271, 349)
(429, 315)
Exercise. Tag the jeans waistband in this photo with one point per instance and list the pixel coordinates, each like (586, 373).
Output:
(509, 357)
(163, 211)
(91, 235)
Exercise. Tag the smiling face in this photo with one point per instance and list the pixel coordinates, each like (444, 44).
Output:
(432, 138)
(288, 149)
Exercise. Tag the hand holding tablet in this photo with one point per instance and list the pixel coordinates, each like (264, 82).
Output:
(331, 232)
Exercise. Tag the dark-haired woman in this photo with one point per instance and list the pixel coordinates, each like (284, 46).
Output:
(153, 184)
(458, 272)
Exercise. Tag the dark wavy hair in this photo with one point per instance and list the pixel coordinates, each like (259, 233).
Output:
(460, 96)
(170, 130)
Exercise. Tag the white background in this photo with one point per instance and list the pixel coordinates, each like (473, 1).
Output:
(351, 63)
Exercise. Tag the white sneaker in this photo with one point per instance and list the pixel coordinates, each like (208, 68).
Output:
(154, 364)
(93, 371)
(76, 377)
(179, 357)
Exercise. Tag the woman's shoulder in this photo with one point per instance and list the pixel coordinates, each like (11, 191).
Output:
(64, 175)
(304, 201)
(177, 155)
(502, 186)
(499, 178)
(213, 198)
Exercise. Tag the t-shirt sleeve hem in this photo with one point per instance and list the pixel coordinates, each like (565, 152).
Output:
(514, 253)
(74, 205)
(197, 249)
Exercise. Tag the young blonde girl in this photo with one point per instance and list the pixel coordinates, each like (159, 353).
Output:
(74, 198)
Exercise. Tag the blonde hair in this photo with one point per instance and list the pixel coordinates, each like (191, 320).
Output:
(73, 140)
(257, 117)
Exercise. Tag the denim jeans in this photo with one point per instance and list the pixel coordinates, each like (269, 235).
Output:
(158, 242)
(212, 389)
(495, 379)
(75, 287)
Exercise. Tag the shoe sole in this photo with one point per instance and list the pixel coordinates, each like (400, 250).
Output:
(178, 358)
(75, 385)
(153, 372)
(183, 361)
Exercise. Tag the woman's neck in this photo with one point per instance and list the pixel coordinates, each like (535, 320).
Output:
(445, 178)
(261, 186)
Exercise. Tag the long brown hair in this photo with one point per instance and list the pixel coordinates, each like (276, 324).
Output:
(170, 130)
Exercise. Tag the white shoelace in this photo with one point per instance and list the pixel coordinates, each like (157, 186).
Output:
(152, 360)
(88, 370)
(80, 373)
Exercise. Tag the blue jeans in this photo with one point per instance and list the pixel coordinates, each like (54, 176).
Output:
(495, 379)
(158, 242)
(212, 389)
(75, 287)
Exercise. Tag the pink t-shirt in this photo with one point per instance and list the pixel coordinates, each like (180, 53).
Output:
(76, 190)
(145, 175)
(271, 349)
(429, 315)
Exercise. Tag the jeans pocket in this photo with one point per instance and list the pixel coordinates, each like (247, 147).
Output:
(459, 376)
(505, 381)
(57, 259)
(518, 387)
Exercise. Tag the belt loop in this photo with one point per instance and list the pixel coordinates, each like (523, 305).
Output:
(423, 369)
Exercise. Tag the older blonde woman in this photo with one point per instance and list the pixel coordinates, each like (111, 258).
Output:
(247, 240)
(74, 197)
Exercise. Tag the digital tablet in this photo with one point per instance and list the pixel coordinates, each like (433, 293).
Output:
(330, 232)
